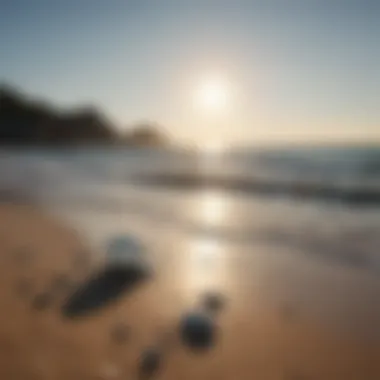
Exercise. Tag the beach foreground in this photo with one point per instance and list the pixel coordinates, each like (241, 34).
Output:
(43, 261)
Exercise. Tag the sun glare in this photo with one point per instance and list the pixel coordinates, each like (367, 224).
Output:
(213, 148)
(212, 94)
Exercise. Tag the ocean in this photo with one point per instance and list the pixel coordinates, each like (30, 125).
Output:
(276, 227)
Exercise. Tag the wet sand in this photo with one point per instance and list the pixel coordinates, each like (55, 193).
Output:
(256, 339)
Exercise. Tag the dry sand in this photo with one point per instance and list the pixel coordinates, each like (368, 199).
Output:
(42, 260)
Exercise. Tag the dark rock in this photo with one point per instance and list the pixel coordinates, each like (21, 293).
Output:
(103, 288)
(197, 331)
(150, 362)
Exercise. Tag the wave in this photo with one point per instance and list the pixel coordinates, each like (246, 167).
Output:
(345, 177)
(302, 190)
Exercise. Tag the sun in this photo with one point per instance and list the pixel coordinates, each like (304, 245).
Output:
(212, 93)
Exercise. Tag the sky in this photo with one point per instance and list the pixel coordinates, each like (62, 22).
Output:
(289, 69)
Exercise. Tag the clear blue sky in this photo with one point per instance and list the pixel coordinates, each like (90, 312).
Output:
(300, 69)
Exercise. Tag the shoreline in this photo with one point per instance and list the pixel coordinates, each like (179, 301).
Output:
(255, 337)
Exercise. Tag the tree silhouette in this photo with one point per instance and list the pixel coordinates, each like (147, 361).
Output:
(26, 121)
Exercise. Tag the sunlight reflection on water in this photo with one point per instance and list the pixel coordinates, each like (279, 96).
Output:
(322, 259)
(213, 208)
(204, 267)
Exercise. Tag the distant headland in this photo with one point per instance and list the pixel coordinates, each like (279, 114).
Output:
(26, 121)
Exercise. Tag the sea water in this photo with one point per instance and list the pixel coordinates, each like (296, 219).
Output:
(317, 254)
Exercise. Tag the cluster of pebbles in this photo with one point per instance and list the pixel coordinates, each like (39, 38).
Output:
(125, 268)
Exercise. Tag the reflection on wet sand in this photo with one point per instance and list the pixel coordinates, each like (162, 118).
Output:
(257, 336)
(212, 207)
(288, 315)
(203, 267)
(204, 257)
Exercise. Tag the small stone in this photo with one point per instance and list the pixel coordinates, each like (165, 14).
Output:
(213, 302)
(197, 331)
(150, 362)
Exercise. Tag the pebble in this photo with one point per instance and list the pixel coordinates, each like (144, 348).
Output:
(213, 302)
(197, 331)
(150, 362)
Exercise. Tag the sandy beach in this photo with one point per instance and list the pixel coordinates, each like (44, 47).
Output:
(256, 340)
(189, 190)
